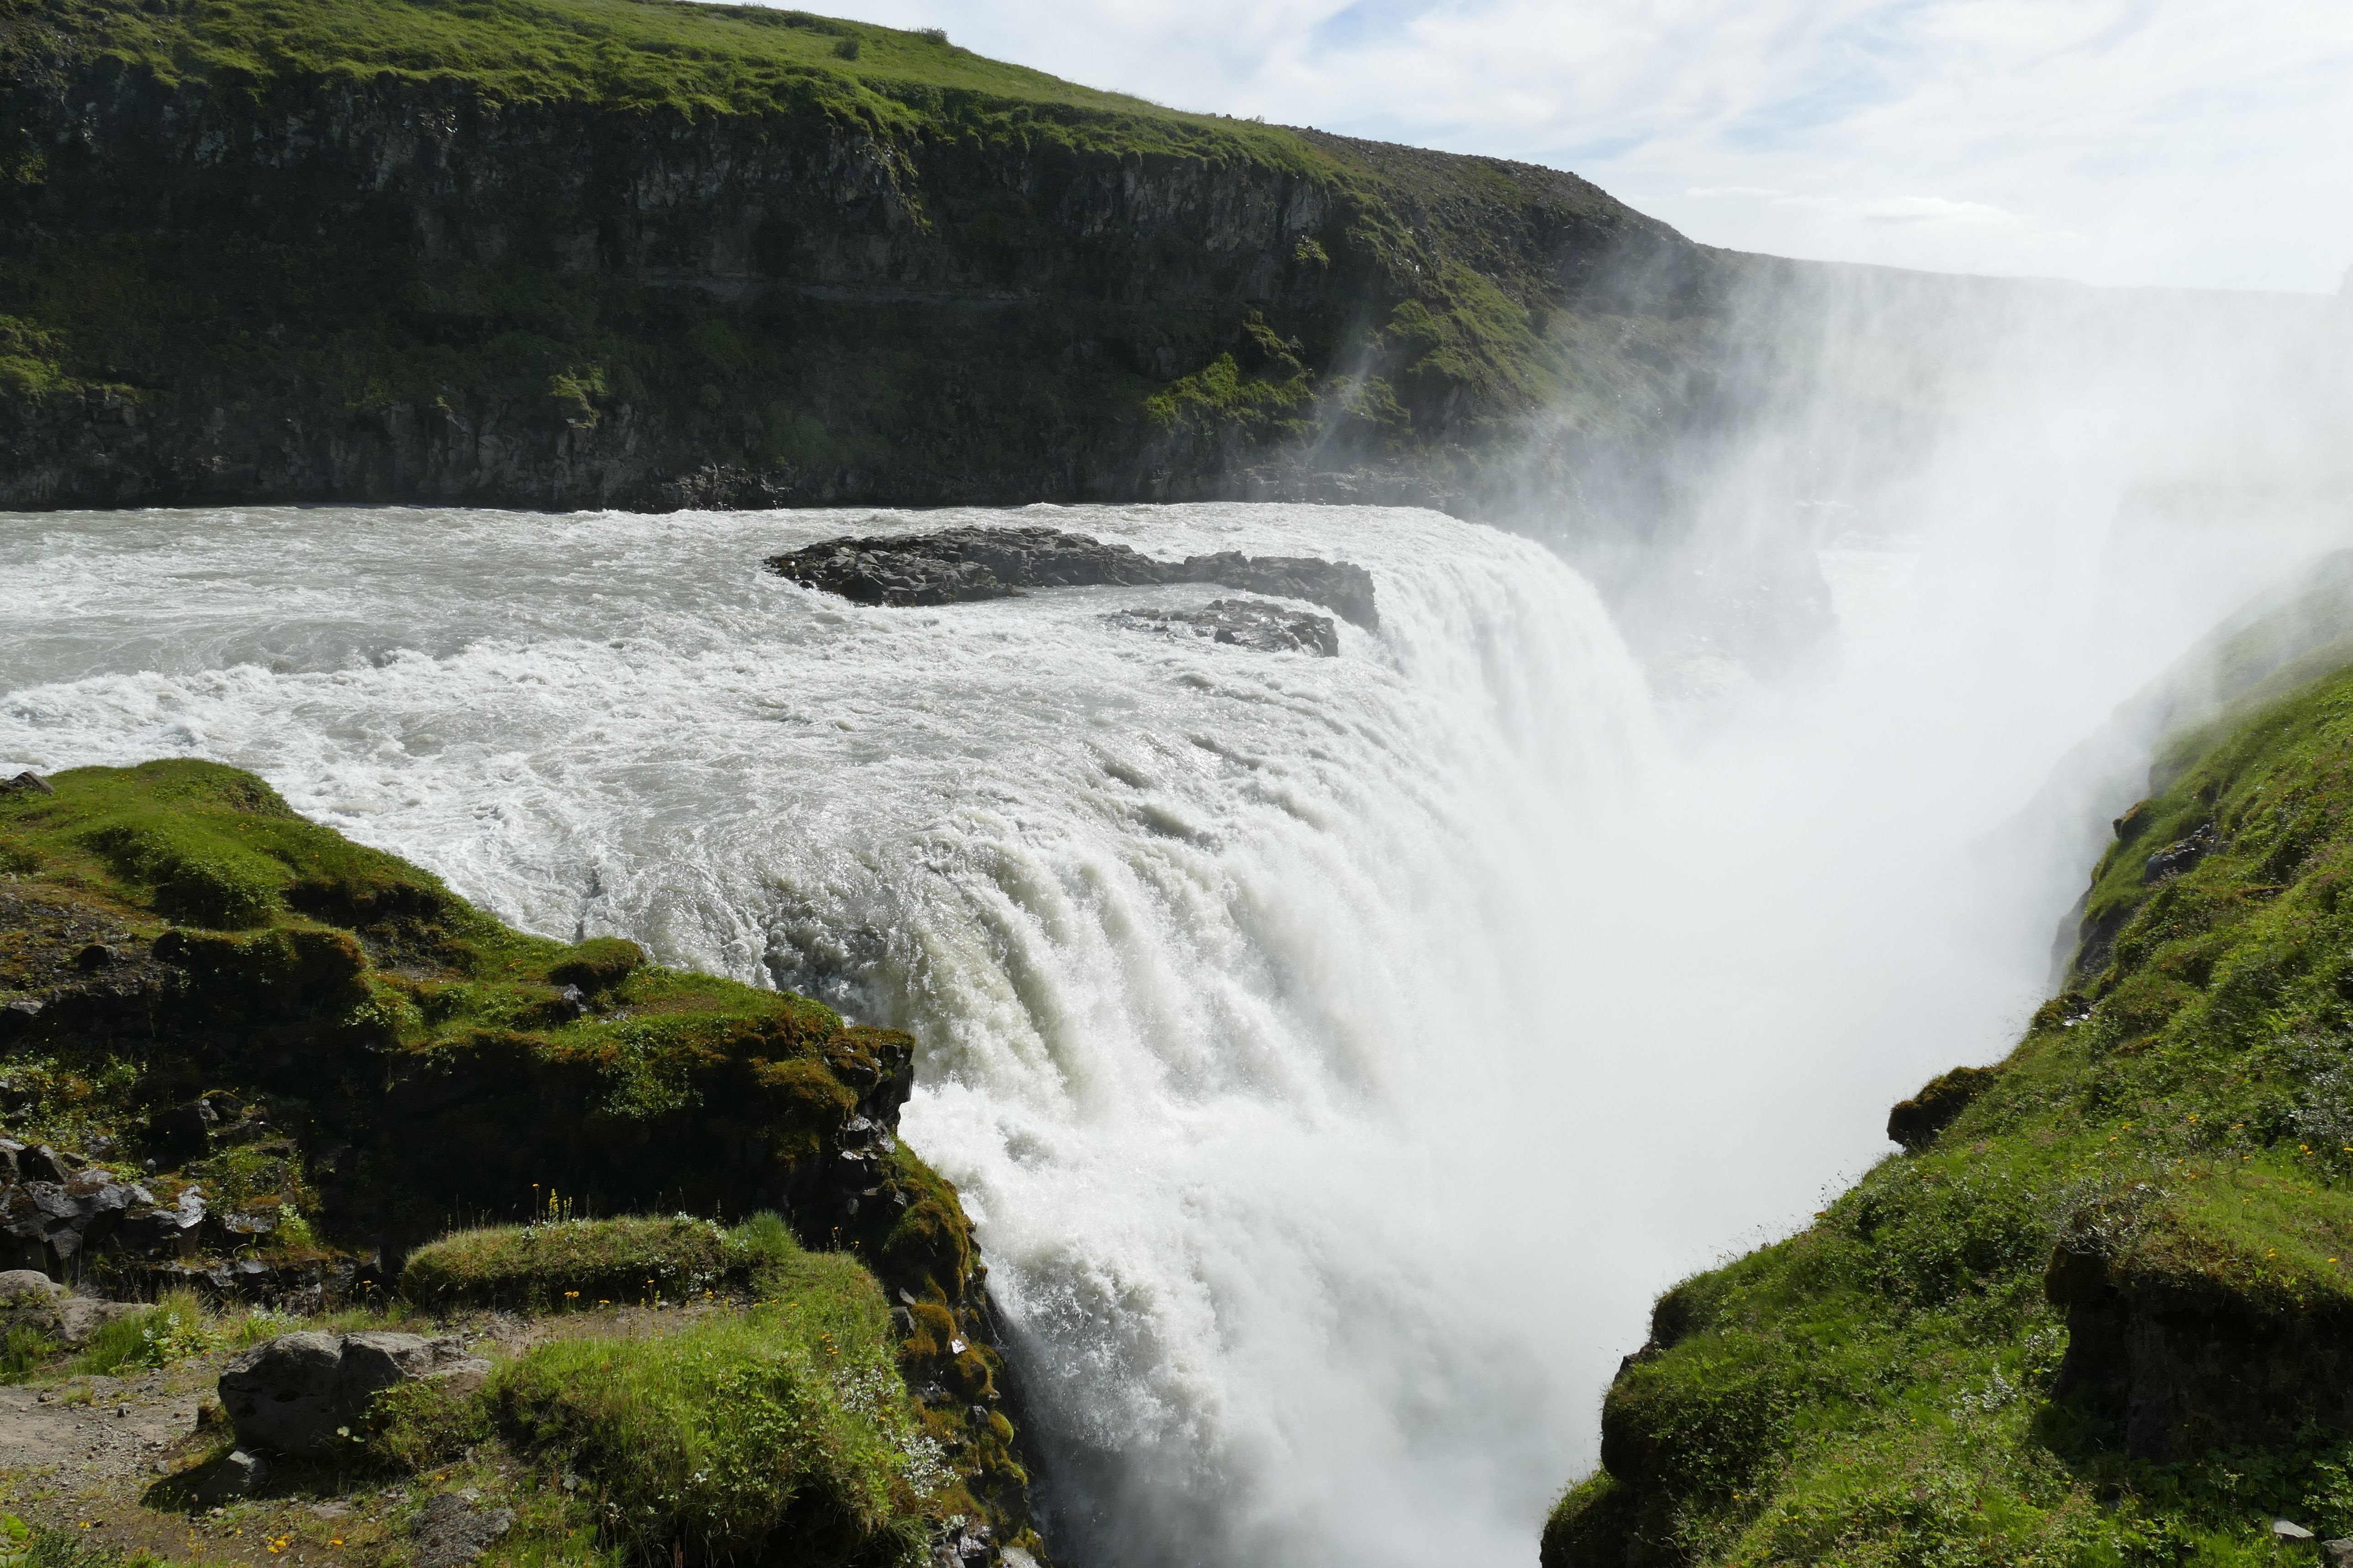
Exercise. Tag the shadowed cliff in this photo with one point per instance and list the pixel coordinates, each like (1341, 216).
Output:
(631, 252)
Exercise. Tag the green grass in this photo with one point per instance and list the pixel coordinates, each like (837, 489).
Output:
(1881, 1387)
(422, 1072)
(173, 1328)
(30, 1545)
(780, 1434)
(567, 1265)
(638, 57)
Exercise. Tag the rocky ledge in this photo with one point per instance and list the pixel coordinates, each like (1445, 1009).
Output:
(959, 565)
(1240, 623)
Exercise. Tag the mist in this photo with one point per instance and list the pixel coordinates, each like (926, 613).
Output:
(1914, 615)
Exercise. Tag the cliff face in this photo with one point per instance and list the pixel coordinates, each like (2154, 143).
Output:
(245, 261)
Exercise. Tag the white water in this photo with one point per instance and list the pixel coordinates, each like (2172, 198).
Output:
(1335, 1054)
(1230, 970)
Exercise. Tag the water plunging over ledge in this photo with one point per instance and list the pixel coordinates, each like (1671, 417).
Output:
(1336, 1052)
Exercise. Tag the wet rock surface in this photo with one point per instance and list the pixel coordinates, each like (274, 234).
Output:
(1240, 623)
(305, 1394)
(964, 565)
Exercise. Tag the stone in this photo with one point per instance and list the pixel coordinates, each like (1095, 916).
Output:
(26, 783)
(1240, 623)
(306, 1394)
(166, 1231)
(451, 1531)
(2179, 856)
(1914, 1124)
(48, 1220)
(965, 1545)
(234, 1475)
(2338, 1553)
(29, 1287)
(2288, 1530)
(962, 565)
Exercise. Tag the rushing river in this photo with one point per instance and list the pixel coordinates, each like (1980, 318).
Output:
(1335, 1054)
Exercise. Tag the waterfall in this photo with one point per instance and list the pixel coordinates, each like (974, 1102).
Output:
(1335, 1054)
(1240, 979)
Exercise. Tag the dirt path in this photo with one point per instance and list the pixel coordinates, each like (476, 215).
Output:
(102, 1428)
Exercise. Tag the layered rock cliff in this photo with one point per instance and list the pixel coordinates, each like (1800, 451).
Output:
(633, 252)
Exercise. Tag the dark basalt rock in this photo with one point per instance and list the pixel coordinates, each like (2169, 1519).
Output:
(961, 566)
(47, 1223)
(307, 1392)
(1242, 622)
(2179, 856)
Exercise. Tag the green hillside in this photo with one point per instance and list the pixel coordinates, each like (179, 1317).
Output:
(655, 253)
(2101, 1311)
(637, 55)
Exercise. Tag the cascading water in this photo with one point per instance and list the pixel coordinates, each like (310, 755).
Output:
(1227, 967)
(1336, 1052)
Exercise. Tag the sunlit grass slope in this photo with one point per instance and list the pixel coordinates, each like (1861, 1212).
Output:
(2102, 1316)
(637, 55)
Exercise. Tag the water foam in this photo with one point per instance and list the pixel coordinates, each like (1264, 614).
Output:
(1244, 982)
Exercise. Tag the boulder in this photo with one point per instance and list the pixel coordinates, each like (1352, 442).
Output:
(451, 1531)
(29, 1299)
(307, 1393)
(26, 783)
(959, 565)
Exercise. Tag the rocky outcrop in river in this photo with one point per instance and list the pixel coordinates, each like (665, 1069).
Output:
(962, 565)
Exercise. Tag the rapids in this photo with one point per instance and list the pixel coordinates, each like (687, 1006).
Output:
(1335, 1054)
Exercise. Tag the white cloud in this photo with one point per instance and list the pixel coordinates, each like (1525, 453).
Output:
(2182, 141)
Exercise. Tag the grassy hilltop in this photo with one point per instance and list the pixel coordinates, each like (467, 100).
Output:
(564, 252)
(272, 1078)
(2101, 1308)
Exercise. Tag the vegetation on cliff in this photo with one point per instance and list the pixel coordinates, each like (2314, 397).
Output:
(638, 251)
(2099, 1310)
(243, 1057)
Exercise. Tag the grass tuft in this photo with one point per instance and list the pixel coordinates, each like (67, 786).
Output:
(781, 1434)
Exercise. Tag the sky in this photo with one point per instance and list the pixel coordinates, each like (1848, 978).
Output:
(2199, 143)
